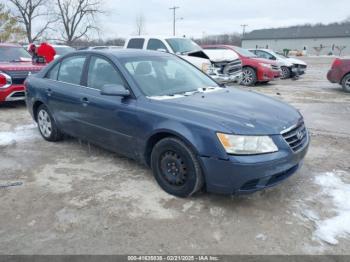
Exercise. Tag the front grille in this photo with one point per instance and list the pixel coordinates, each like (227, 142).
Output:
(302, 66)
(18, 77)
(296, 137)
(275, 67)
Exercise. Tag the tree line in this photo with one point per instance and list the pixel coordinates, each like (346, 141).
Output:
(60, 20)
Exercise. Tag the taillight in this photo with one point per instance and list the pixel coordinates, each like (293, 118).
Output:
(337, 62)
(5, 80)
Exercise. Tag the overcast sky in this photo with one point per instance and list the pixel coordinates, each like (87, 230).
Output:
(217, 16)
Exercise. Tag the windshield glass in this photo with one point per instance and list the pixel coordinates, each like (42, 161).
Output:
(183, 45)
(244, 52)
(62, 50)
(13, 54)
(166, 75)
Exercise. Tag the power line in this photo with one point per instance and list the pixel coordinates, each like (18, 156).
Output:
(174, 18)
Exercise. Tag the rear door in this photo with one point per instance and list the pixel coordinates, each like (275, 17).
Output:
(64, 91)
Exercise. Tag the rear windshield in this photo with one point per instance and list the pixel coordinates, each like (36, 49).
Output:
(244, 52)
(183, 45)
(13, 54)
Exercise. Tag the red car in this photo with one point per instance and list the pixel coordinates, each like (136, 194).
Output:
(254, 69)
(15, 65)
(340, 73)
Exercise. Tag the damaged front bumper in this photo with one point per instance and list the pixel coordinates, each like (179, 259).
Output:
(226, 72)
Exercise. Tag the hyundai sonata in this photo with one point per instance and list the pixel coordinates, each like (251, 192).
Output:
(159, 109)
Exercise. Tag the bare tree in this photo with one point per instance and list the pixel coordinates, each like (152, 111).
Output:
(140, 24)
(30, 10)
(77, 18)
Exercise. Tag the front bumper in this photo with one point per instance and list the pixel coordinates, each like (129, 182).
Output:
(221, 78)
(12, 93)
(248, 174)
(298, 71)
(264, 75)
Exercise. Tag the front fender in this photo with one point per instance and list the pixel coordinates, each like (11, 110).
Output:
(204, 142)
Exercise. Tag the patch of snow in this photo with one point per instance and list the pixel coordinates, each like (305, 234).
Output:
(337, 226)
(261, 237)
(20, 134)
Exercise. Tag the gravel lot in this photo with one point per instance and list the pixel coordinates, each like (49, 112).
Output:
(79, 199)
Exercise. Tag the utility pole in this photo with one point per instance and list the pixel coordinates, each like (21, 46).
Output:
(243, 28)
(174, 18)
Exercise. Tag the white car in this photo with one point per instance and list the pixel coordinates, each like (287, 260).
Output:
(290, 67)
(62, 50)
(219, 69)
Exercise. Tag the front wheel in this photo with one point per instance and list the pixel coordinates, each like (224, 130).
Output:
(286, 72)
(346, 83)
(176, 168)
(249, 77)
(47, 125)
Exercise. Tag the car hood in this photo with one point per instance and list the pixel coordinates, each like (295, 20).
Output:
(20, 66)
(295, 61)
(235, 111)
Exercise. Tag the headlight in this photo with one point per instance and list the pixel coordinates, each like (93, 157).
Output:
(265, 65)
(247, 145)
(206, 67)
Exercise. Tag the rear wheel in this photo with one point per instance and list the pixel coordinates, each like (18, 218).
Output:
(176, 168)
(286, 72)
(346, 83)
(249, 77)
(47, 125)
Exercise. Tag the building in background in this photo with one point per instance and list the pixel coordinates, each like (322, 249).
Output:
(310, 39)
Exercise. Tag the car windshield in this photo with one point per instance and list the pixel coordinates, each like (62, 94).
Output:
(244, 52)
(13, 54)
(183, 45)
(62, 50)
(166, 76)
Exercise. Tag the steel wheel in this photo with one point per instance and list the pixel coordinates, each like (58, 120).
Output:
(44, 122)
(173, 168)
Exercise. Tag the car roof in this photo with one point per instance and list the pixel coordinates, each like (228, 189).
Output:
(122, 53)
(162, 37)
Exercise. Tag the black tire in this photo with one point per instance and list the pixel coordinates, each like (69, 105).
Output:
(286, 72)
(249, 77)
(53, 134)
(346, 83)
(176, 168)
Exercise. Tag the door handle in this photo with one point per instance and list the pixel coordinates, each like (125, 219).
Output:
(85, 101)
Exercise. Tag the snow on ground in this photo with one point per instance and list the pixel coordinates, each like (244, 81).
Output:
(338, 191)
(20, 134)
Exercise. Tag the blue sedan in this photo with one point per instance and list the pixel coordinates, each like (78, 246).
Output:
(162, 111)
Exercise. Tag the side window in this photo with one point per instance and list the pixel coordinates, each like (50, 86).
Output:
(101, 72)
(155, 44)
(53, 73)
(71, 69)
(136, 43)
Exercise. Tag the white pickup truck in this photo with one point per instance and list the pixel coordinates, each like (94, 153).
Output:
(222, 71)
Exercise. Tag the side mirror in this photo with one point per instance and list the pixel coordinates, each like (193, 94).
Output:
(114, 90)
(272, 58)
